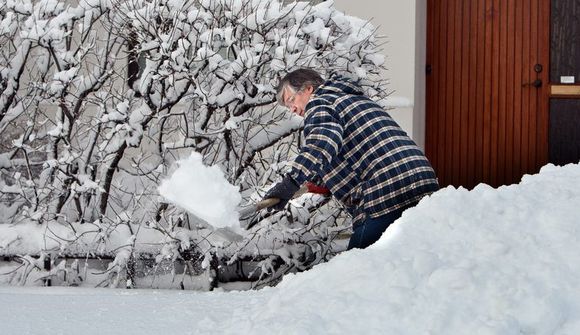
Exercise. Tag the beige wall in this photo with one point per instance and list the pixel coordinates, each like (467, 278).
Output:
(403, 24)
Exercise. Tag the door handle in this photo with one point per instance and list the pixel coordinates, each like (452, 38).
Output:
(536, 83)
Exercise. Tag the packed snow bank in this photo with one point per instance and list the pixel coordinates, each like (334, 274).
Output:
(487, 261)
(203, 191)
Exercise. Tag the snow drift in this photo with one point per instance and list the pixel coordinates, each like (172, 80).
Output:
(486, 261)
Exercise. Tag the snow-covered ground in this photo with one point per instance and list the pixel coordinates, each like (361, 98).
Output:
(486, 261)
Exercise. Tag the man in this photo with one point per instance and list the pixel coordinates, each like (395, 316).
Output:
(361, 154)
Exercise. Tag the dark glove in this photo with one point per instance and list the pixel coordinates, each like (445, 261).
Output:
(284, 191)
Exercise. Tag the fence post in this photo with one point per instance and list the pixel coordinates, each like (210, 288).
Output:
(47, 267)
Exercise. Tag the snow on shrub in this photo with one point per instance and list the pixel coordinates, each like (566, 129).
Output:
(100, 98)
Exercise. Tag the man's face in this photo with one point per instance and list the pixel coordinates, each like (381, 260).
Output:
(296, 101)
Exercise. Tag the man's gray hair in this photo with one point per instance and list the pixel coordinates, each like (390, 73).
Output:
(297, 80)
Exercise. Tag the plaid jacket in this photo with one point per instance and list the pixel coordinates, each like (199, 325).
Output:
(362, 155)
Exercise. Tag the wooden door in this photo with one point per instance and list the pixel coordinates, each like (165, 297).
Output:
(487, 89)
(564, 119)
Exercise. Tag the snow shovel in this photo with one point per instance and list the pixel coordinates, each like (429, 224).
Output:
(248, 211)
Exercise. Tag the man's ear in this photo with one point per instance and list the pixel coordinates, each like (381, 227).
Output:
(309, 89)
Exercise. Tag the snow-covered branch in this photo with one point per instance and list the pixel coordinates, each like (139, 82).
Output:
(100, 98)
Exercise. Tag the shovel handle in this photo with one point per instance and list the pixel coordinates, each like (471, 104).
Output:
(273, 201)
(266, 203)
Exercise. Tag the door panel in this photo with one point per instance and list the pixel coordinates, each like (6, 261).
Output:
(564, 131)
(486, 98)
(564, 119)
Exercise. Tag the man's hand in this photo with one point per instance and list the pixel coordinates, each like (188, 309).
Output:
(284, 191)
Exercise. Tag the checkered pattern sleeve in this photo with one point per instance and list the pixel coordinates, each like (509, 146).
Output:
(322, 141)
